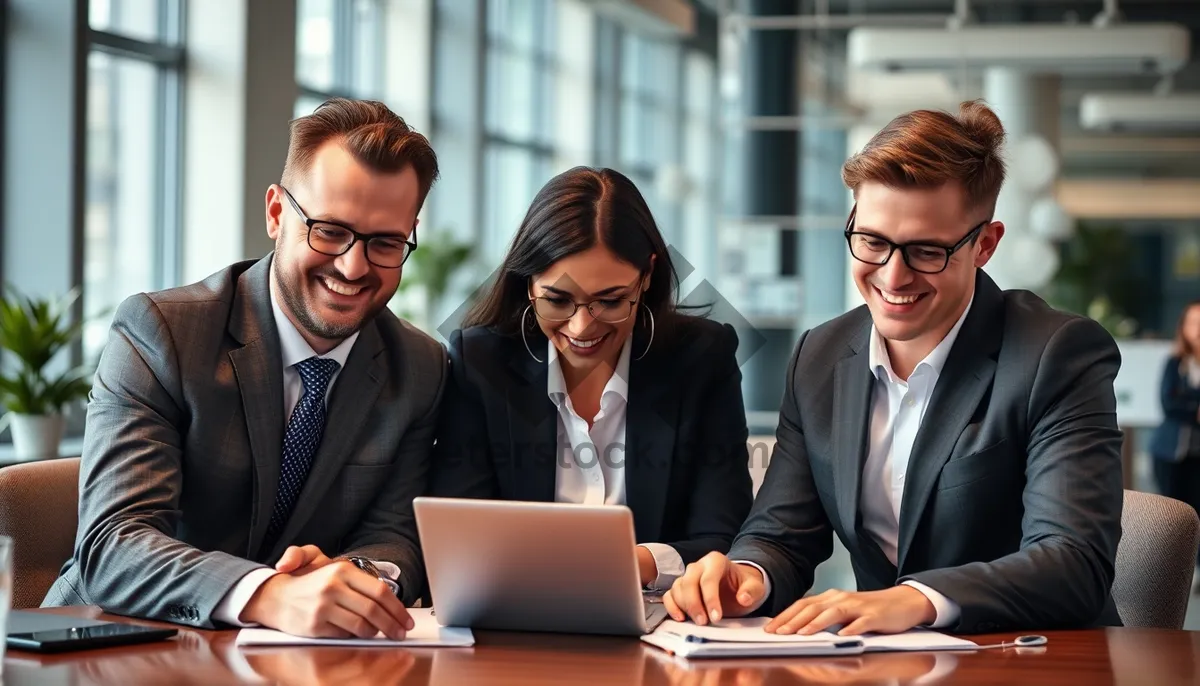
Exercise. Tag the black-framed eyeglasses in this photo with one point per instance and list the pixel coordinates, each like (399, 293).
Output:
(926, 258)
(386, 250)
(559, 308)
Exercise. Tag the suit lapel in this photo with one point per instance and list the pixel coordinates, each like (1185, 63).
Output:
(260, 381)
(851, 417)
(532, 427)
(651, 418)
(961, 386)
(354, 393)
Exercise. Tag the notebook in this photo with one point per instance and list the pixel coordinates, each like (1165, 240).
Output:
(746, 638)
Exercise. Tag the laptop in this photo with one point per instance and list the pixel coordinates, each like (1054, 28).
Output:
(525, 566)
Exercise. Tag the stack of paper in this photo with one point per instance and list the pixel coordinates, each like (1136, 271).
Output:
(746, 638)
(426, 633)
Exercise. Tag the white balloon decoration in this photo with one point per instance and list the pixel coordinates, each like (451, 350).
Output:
(1032, 164)
(1028, 262)
(1048, 220)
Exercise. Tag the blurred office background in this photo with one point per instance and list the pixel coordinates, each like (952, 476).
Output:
(140, 136)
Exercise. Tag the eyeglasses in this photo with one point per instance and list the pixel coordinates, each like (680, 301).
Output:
(554, 308)
(559, 308)
(386, 250)
(926, 258)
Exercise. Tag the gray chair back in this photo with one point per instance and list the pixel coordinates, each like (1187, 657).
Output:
(1155, 560)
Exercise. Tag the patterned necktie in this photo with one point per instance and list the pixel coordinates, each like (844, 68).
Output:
(302, 439)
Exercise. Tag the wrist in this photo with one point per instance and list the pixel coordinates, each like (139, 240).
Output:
(647, 568)
(257, 609)
(928, 611)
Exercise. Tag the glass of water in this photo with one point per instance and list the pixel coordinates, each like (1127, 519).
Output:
(6, 553)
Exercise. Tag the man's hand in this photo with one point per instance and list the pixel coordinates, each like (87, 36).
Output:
(337, 600)
(296, 558)
(712, 588)
(890, 611)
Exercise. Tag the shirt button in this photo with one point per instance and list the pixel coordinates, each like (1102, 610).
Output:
(908, 402)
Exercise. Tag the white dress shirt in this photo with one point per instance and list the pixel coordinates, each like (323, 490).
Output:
(591, 463)
(293, 349)
(897, 408)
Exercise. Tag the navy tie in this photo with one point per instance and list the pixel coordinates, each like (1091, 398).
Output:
(302, 439)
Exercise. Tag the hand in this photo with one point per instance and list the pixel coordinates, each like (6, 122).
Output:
(890, 611)
(337, 600)
(298, 557)
(713, 587)
(647, 567)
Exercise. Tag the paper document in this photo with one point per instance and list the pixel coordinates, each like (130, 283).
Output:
(746, 638)
(426, 633)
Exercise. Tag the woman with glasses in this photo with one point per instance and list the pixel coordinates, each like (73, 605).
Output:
(576, 380)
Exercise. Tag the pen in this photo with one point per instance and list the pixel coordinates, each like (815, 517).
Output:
(692, 638)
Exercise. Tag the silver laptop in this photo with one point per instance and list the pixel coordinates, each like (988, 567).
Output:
(524, 566)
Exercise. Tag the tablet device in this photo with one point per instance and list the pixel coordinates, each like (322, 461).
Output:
(47, 633)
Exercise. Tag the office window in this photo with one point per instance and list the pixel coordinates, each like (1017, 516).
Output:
(131, 220)
(701, 151)
(650, 135)
(518, 114)
(341, 49)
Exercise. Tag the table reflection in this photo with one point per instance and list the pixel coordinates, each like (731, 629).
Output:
(880, 668)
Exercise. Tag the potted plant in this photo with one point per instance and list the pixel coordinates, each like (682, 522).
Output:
(428, 275)
(33, 331)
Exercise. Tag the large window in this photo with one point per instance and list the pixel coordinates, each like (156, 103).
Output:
(650, 135)
(131, 226)
(537, 106)
(340, 50)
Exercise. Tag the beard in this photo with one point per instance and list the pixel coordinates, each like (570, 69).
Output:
(292, 287)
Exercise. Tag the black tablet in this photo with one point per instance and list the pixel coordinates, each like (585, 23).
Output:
(46, 633)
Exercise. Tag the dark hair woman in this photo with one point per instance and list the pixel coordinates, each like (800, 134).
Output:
(577, 379)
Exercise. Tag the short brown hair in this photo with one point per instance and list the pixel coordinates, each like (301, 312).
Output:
(926, 149)
(376, 136)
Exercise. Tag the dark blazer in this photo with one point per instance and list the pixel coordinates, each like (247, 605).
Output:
(1178, 436)
(1012, 505)
(686, 476)
(183, 445)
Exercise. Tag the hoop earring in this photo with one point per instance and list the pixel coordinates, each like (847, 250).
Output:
(651, 341)
(523, 339)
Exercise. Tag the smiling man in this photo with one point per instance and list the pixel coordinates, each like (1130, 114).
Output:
(960, 440)
(254, 441)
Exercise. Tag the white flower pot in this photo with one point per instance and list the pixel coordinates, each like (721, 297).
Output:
(36, 436)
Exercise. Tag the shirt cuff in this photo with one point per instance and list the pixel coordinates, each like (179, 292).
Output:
(389, 568)
(946, 611)
(668, 562)
(229, 610)
(766, 583)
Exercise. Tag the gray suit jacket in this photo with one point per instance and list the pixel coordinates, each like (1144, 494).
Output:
(183, 445)
(1012, 502)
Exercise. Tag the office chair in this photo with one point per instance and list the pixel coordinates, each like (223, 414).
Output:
(1155, 560)
(39, 511)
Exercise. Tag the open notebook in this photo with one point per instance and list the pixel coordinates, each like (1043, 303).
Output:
(746, 638)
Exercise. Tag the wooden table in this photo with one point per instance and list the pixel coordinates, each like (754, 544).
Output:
(1077, 658)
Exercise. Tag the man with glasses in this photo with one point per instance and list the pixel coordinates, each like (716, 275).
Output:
(960, 440)
(254, 441)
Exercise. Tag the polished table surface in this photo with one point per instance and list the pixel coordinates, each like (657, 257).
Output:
(1077, 658)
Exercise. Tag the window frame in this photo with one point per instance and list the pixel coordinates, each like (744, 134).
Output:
(167, 55)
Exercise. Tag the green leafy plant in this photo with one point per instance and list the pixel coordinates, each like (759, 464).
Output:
(33, 331)
(1097, 278)
(432, 266)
